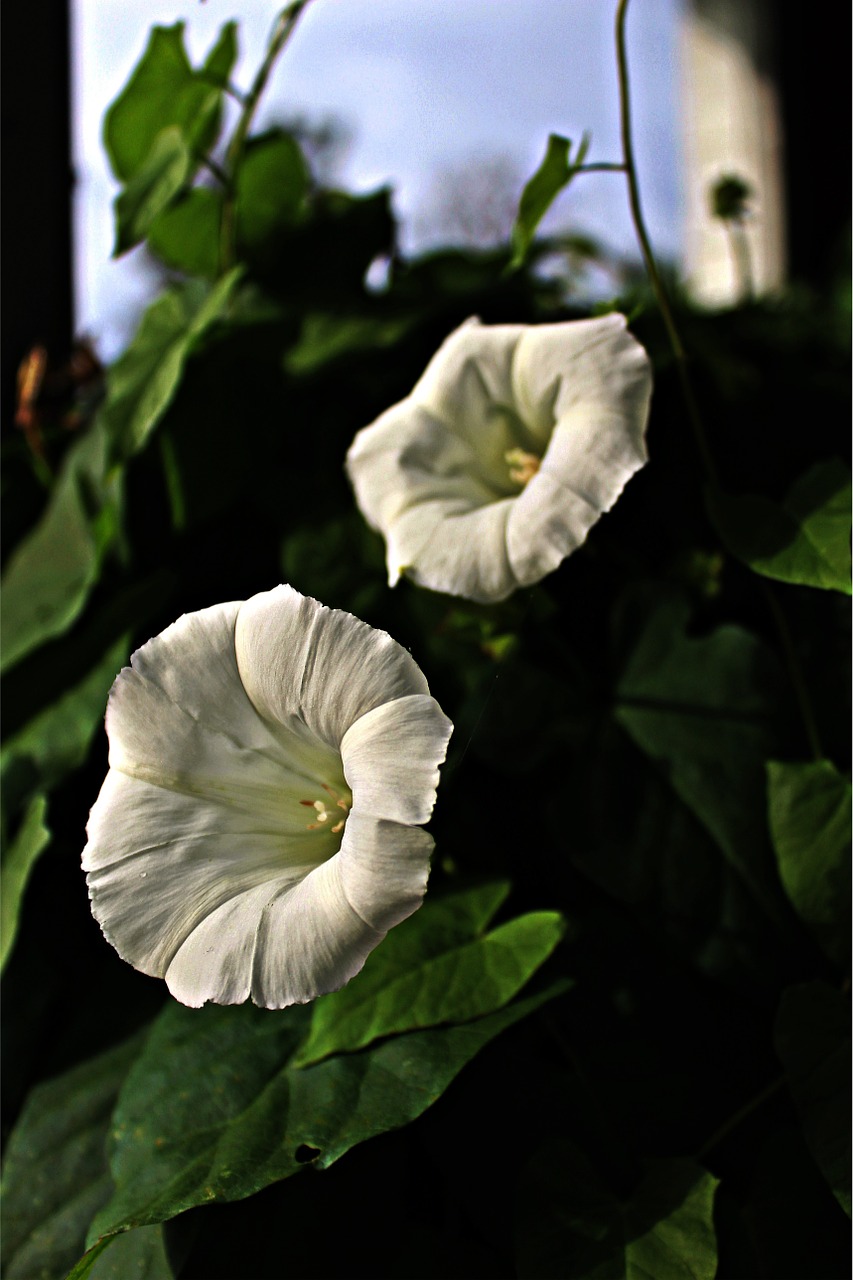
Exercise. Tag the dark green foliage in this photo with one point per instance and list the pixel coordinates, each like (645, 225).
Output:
(215, 1109)
(56, 1175)
(805, 540)
(810, 817)
(633, 757)
(813, 1042)
(19, 856)
(571, 1227)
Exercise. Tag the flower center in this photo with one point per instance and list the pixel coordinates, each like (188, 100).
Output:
(325, 817)
(522, 465)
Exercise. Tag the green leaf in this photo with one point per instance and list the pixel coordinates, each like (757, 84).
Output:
(554, 173)
(58, 739)
(804, 540)
(82, 1269)
(669, 1223)
(140, 1254)
(164, 91)
(810, 816)
(426, 973)
(49, 575)
(813, 1043)
(144, 379)
(272, 184)
(148, 101)
(570, 1226)
(325, 338)
(151, 189)
(133, 1255)
(636, 839)
(55, 1176)
(214, 1109)
(219, 63)
(701, 707)
(19, 858)
(186, 235)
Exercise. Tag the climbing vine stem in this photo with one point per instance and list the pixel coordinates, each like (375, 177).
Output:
(646, 249)
(693, 412)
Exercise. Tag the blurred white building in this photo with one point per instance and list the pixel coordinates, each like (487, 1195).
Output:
(731, 126)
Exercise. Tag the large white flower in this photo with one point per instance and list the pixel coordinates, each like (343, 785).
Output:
(509, 448)
(258, 830)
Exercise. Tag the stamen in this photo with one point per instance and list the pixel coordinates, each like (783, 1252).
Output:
(323, 814)
(522, 465)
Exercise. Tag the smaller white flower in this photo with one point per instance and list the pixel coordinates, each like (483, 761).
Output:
(258, 832)
(511, 445)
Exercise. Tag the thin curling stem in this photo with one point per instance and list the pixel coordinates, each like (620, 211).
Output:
(646, 248)
(791, 659)
(795, 672)
(739, 1116)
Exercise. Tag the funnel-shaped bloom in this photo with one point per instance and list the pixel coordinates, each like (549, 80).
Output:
(509, 448)
(258, 830)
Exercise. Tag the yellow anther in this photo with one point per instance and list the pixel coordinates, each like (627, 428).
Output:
(522, 465)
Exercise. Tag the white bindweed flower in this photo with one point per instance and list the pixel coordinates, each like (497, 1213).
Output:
(511, 445)
(258, 832)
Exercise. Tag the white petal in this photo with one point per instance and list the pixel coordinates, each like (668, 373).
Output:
(167, 727)
(284, 945)
(391, 757)
(383, 868)
(409, 455)
(469, 377)
(446, 547)
(194, 664)
(305, 665)
(160, 862)
(601, 402)
(546, 524)
(201, 864)
(554, 514)
(575, 395)
(410, 475)
(584, 368)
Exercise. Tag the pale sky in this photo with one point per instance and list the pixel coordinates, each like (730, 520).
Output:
(421, 84)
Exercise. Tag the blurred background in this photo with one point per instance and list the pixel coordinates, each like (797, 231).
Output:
(449, 104)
